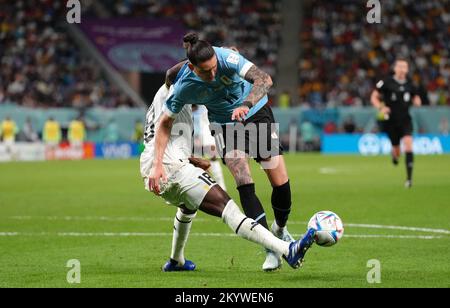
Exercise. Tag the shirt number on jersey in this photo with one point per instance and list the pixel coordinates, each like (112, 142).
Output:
(149, 133)
(205, 177)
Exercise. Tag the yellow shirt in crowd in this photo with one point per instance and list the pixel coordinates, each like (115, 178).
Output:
(8, 130)
(52, 132)
(77, 131)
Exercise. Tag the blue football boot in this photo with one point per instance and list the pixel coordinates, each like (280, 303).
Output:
(172, 266)
(298, 249)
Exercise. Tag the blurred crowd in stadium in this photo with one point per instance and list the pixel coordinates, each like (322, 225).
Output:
(342, 55)
(40, 64)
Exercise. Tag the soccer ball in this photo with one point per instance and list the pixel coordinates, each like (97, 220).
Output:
(329, 228)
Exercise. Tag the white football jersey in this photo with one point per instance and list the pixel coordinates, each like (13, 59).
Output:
(202, 126)
(179, 148)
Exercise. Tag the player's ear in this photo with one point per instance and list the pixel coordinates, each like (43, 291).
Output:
(191, 66)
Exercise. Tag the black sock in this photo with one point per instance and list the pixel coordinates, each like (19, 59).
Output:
(281, 203)
(409, 165)
(251, 205)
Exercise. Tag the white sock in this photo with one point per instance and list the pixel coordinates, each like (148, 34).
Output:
(182, 226)
(217, 173)
(250, 230)
(277, 229)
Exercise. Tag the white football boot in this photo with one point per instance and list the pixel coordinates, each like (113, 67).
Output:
(274, 260)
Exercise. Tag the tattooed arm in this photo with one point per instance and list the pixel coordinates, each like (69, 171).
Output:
(262, 83)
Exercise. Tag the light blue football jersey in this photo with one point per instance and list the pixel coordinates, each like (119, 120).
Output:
(221, 96)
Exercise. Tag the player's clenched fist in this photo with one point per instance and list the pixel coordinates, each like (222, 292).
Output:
(155, 178)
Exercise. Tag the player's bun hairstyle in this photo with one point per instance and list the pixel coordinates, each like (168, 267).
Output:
(198, 51)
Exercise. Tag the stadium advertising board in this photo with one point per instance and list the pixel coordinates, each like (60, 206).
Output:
(116, 150)
(372, 144)
(137, 45)
(22, 152)
(66, 152)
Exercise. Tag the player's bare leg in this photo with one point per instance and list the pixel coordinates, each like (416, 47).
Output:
(237, 163)
(396, 154)
(218, 203)
(408, 143)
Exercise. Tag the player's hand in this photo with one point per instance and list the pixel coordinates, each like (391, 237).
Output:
(240, 113)
(156, 176)
(386, 111)
(200, 163)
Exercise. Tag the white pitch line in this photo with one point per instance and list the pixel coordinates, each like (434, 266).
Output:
(170, 219)
(98, 218)
(160, 234)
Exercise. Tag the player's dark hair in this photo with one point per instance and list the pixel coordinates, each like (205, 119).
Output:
(198, 51)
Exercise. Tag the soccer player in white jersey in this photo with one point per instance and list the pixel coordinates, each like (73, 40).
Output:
(205, 144)
(168, 145)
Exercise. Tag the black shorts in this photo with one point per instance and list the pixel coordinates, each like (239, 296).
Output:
(258, 136)
(396, 130)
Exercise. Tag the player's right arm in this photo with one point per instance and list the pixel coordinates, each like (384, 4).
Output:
(161, 141)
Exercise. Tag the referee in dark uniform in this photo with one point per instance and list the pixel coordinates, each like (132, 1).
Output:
(393, 97)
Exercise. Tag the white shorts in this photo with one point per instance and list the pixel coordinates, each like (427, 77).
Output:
(186, 186)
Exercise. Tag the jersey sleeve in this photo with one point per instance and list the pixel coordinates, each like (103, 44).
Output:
(233, 61)
(380, 85)
(174, 103)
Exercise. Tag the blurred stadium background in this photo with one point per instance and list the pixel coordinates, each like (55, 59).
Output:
(324, 56)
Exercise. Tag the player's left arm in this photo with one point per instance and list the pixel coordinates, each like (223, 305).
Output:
(200, 163)
(262, 82)
(172, 73)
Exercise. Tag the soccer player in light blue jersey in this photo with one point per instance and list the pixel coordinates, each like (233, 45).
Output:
(234, 91)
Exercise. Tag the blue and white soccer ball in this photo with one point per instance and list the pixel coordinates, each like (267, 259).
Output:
(329, 228)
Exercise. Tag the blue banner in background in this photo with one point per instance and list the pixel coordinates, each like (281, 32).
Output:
(372, 144)
(123, 150)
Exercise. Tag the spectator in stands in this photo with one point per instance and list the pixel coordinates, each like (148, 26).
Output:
(41, 65)
(330, 128)
(51, 133)
(138, 135)
(343, 54)
(77, 133)
(8, 133)
(307, 134)
(112, 134)
(285, 99)
(28, 131)
(444, 127)
(8, 130)
(349, 125)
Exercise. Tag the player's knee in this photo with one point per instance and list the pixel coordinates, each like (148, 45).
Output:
(187, 211)
(222, 197)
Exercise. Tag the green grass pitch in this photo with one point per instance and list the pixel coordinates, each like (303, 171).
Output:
(98, 213)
